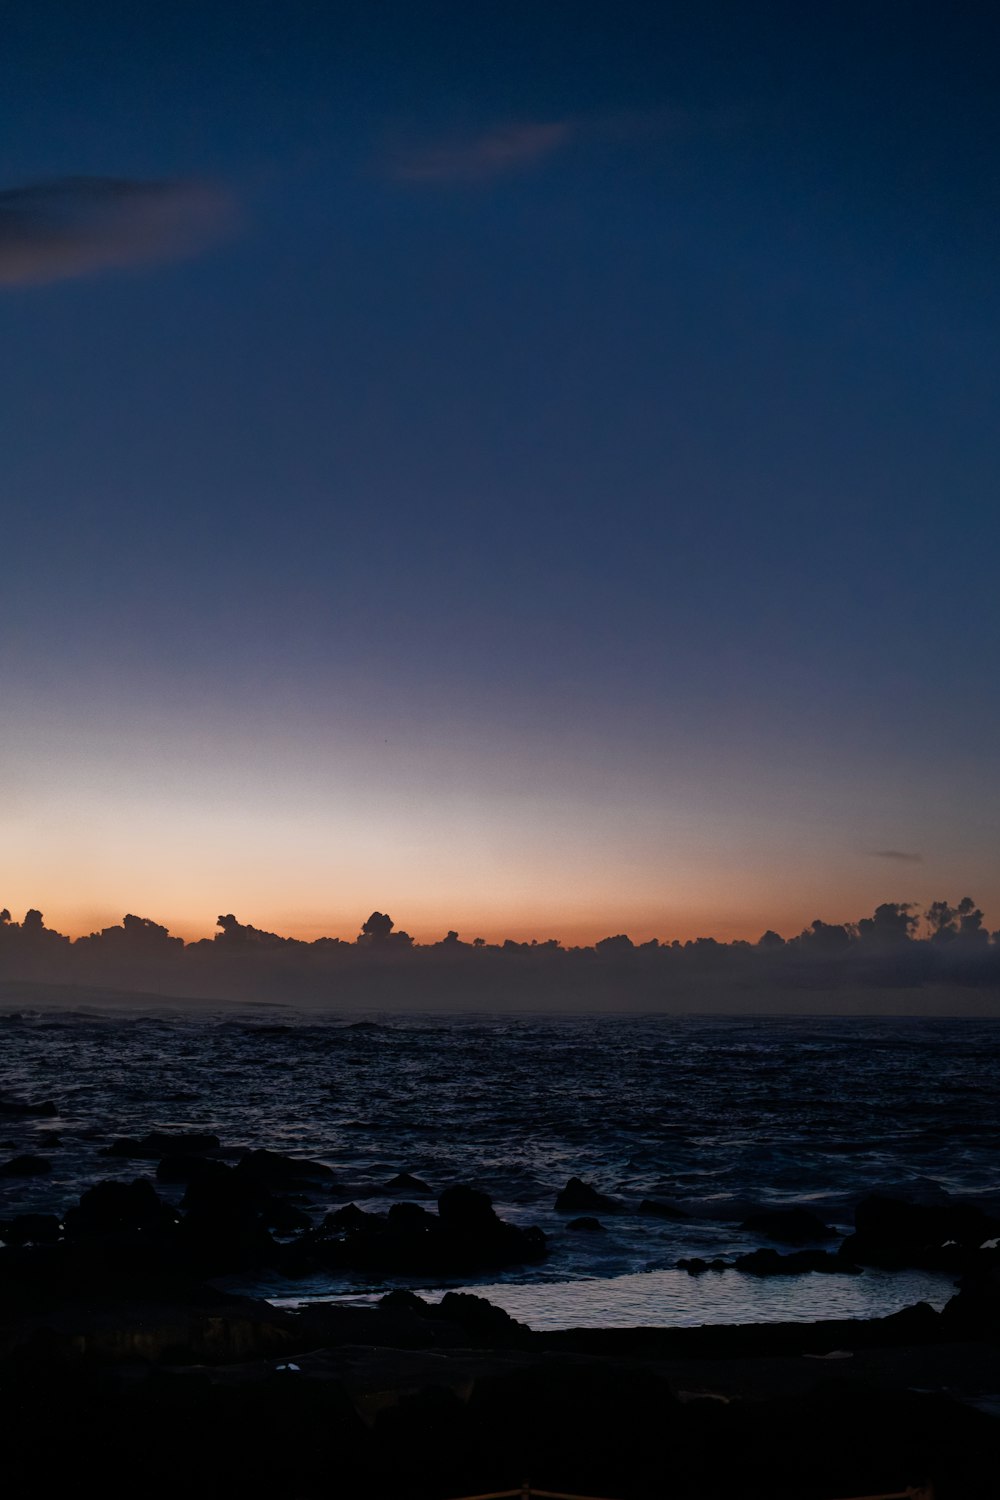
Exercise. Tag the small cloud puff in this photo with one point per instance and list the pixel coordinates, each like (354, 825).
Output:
(74, 226)
(898, 854)
(505, 149)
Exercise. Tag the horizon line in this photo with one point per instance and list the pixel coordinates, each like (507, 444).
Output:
(905, 919)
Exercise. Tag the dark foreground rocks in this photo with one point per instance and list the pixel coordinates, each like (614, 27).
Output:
(408, 1399)
(162, 1143)
(31, 1229)
(122, 1365)
(368, 1426)
(975, 1310)
(792, 1226)
(244, 1217)
(114, 1348)
(768, 1262)
(464, 1235)
(892, 1234)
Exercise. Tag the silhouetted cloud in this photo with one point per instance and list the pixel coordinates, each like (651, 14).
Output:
(900, 854)
(74, 226)
(830, 967)
(504, 149)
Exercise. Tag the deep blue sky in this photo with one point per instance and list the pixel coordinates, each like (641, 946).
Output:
(564, 494)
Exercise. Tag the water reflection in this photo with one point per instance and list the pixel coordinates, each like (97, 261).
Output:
(675, 1299)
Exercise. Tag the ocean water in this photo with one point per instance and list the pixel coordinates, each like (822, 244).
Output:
(716, 1114)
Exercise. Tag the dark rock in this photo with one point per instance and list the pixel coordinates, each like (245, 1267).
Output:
(976, 1305)
(31, 1229)
(48, 1140)
(226, 1216)
(478, 1316)
(25, 1166)
(400, 1300)
(600, 1426)
(891, 1233)
(464, 1235)
(221, 1191)
(577, 1197)
(894, 1222)
(409, 1217)
(348, 1217)
(404, 1183)
(430, 1420)
(769, 1263)
(284, 1218)
(183, 1168)
(224, 1193)
(209, 1330)
(696, 1266)
(588, 1422)
(793, 1226)
(392, 1323)
(112, 1208)
(162, 1143)
(123, 1232)
(921, 1323)
(45, 1109)
(587, 1224)
(657, 1210)
(466, 1209)
(275, 1170)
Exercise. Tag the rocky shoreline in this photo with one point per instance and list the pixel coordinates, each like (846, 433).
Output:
(174, 1385)
(115, 1349)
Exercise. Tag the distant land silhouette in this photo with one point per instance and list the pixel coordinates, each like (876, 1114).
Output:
(943, 959)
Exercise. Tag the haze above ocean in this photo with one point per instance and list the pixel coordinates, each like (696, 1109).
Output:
(715, 1114)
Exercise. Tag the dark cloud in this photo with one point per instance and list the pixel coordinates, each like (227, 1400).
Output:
(74, 226)
(898, 854)
(829, 968)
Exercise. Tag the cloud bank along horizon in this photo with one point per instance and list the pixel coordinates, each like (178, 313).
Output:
(561, 513)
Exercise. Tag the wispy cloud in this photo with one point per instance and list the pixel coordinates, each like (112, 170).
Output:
(75, 226)
(507, 148)
(898, 854)
(517, 145)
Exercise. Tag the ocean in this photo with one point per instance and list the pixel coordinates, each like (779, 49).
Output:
(718, 1115)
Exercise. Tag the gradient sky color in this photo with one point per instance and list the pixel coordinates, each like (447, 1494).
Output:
(552, 492)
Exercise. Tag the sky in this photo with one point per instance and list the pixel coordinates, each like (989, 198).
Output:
(530, 468)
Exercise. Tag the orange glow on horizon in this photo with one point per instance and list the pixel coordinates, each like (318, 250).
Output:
(304, 834)
(580, 931)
